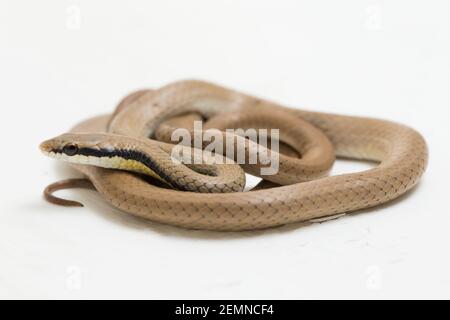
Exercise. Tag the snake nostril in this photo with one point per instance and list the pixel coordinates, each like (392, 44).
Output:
(70, 149)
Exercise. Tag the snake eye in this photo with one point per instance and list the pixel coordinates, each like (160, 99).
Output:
(70, 149)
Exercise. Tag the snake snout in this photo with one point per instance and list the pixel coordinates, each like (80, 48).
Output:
(55, 145)
(46, 146)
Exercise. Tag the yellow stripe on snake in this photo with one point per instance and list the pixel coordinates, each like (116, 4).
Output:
(204, 196)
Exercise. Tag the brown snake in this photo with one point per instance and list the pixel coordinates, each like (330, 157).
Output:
(400, 151)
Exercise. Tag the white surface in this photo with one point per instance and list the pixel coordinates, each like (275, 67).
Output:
(388, 59)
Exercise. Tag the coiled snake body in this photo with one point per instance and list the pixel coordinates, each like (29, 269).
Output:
(309, 194)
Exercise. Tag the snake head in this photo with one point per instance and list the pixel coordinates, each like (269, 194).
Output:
(101, 150)
(73, 147)
(98, 149)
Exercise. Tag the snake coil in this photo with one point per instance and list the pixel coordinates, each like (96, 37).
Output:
(189, 196)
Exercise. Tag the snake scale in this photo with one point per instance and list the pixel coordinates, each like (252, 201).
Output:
(301, 191)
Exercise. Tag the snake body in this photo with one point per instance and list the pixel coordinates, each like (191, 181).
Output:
(401, 154)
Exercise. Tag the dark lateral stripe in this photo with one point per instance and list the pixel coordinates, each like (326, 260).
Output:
(130, 155)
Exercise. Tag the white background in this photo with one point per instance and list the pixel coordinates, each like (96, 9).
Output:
(62, 61)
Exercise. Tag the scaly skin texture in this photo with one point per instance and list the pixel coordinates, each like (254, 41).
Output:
(401, 153)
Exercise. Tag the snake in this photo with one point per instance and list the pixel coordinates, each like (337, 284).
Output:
(106, 148)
